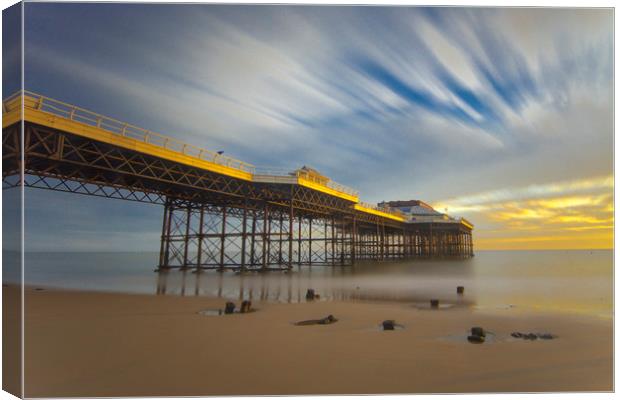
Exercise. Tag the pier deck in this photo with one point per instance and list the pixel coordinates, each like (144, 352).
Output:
(219, 212)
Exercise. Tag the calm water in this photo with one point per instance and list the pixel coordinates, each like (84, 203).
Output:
(572, 280)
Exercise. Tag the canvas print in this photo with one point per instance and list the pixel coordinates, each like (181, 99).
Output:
(233, 199)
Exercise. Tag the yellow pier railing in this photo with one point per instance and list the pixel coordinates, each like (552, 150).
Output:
(57, 114)
(386, 212)
(53, 113)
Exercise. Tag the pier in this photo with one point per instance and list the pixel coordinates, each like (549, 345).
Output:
(218, 212)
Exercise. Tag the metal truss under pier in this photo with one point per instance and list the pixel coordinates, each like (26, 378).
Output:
(268, 238)
(219, 213)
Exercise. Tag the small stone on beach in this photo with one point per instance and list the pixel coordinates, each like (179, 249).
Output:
(330, 319)
(434, 303)
(546, 336)
(532, 336)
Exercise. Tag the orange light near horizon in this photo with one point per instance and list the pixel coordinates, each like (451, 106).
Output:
(603, 240)
(564, 215)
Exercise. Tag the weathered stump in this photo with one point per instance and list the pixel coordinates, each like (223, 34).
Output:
(230, 307)
(388, 325)
(246, 306)
(475, 339)
(478, 331)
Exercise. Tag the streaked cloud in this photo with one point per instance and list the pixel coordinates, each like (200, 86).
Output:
(546, 195)
(506, 113)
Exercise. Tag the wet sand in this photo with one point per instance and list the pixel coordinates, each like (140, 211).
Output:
(104, 344)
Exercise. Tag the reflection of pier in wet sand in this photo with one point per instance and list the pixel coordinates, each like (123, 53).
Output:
(331, 284)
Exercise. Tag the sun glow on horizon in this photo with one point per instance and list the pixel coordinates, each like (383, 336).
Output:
(561, 215)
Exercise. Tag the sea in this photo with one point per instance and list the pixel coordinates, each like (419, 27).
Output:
(577, 281)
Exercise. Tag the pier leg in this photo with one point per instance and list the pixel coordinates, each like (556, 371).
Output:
(291, 224)
(280, 239)
(266, 229)
(200, 239)
(163, 259)
(253, 240)
(244, 234)
(432, 241)
(383, 242)
(223, 239)
(333, 240)
(353, 241)
(310, 241)
(166, 263)
(186, 238)
(299, 234)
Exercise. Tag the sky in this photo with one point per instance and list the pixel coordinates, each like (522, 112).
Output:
(501, 115)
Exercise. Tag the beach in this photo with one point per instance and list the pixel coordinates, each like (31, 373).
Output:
(110, 344)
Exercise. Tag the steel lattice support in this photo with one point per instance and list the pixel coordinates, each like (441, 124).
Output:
(222, 237)
(217, 221)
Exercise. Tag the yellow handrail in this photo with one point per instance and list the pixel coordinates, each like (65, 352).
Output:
(78, 114)
(387, 210)
(58, 108)
(329, 183)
